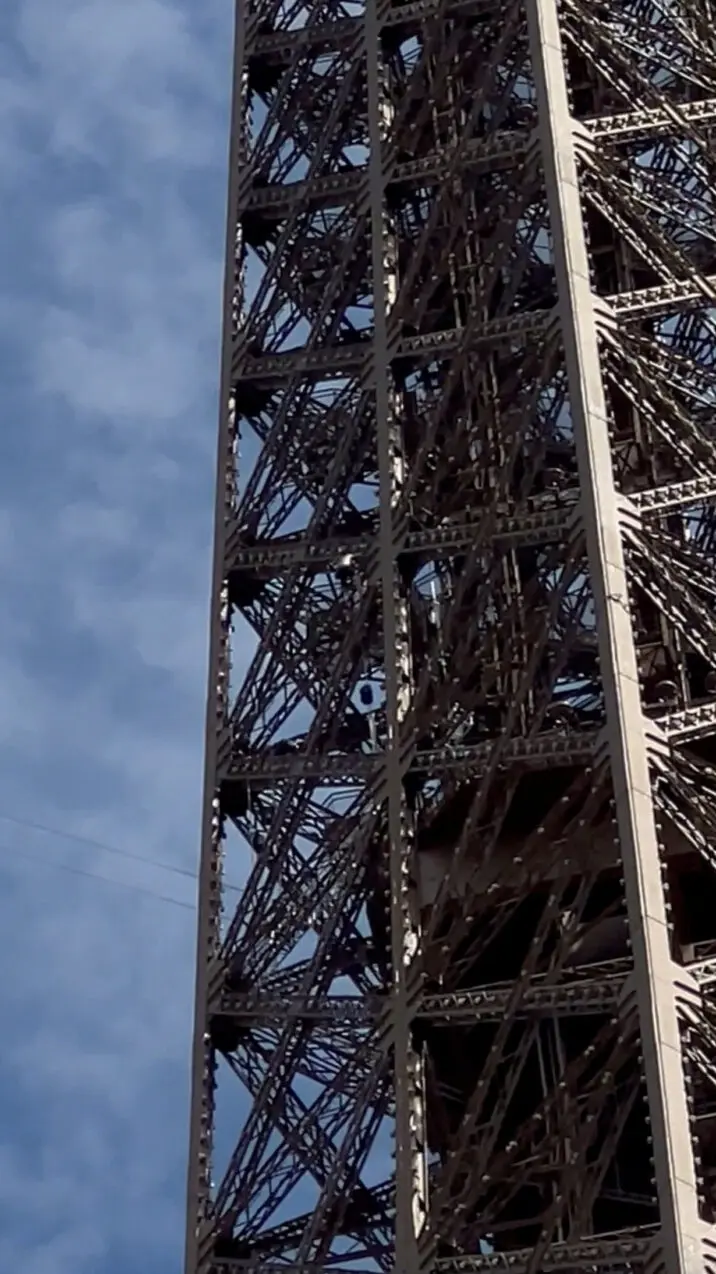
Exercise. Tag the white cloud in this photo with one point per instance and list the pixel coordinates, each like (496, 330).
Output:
(113, 124)
(136, 288)
(120, 74)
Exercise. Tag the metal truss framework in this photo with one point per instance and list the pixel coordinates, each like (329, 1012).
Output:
(467, 511)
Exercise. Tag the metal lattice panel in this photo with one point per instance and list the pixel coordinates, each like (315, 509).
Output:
(462, 707)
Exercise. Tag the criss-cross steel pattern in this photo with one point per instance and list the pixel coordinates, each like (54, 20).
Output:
(461, 743)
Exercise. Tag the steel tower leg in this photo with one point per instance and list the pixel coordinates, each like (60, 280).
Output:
(453, 1021)
(655, 974)
(201, 1127)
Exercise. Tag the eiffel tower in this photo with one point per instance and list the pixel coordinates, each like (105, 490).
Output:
(456, 980)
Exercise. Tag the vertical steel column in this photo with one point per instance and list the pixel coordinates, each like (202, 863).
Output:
(199, 1183)
(654, 971)
(410, 1149)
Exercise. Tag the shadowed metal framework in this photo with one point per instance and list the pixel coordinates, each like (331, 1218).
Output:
(461, 745)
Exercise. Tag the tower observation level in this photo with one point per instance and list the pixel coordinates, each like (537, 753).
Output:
(461, 745)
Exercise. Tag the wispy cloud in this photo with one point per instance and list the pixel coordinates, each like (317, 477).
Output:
(113, 122)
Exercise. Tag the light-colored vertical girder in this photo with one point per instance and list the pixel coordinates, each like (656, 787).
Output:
(654, 972)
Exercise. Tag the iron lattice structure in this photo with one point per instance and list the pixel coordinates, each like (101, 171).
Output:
(466, 508)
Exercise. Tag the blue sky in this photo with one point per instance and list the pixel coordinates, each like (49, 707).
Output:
(113, 127)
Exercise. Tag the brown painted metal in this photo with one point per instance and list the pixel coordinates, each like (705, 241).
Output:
(461, 733)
